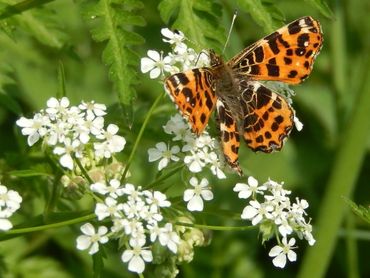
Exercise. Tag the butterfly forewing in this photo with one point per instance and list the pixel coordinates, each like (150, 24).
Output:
(194, 96)
(268, 118)
(286, 55)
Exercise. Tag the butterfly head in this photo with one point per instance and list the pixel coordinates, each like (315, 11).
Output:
(215, 58)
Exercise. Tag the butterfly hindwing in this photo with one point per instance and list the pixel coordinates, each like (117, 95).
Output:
(229, 135)
(268, 118)
(286, 55)
(193, 93)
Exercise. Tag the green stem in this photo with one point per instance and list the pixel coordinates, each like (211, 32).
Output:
(351, 244)
(52, 201)
(341, 183)
(50, 226)
(337, 37)
(164, 177)
(83, 170)
(141, 132)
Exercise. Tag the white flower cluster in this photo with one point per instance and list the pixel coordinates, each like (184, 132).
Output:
(136, 215)
(182, 58)
(199, 151)
(277, 212)
(70, 130)
(10, 202)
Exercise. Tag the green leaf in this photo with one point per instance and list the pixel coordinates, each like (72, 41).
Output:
(98, 262)
(361, 211)
(113, 21)
(9, 103)
(43, 26)
(261, 12)
(14, 8)
(198, 20)
(323, 7)
(61, 80)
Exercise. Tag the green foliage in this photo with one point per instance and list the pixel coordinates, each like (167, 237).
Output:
(112, 21)
(199, 20)
(262, 13)
(360, 211)
(87, 50)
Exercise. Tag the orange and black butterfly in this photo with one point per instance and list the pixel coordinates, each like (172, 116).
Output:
(244, 106)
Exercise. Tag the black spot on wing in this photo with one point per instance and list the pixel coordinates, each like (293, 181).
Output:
(209, 102)
(303, 39)
(287, 60)
(259, 54)
(263, 96)
(273, 70)
(292, 74)
(183, 79)
(259, 139)
(271, 40)
(294, 28)
(255, 69)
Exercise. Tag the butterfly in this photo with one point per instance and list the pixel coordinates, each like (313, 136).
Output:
(245, 107)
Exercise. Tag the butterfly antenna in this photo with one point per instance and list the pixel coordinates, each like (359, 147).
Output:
(231, 27)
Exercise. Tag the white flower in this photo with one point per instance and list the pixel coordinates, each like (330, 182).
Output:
(178, 127)
(93, 109)
(91, 239)
(186, 56)
(156, 64)
(154, 231)
(150, 214)
(133, 208)
(215, 164)
(86, 127)
(298, 208)
(195, 161)
(282, 252)
(130, 190)
(133, 227)
(195, 196)
(136, 258)
(169, 238)
(307, 233)
(70, 147)
(246, 190)
(114, 188)
(33, 128)
(109, 208)
(9, 203)
(284, 226)
(56, 106)
(257, 212)
(9, 198)
(163, 152)
(156, 199)
(298, 124)
(176, 38)
(113, 143)
(5, 224)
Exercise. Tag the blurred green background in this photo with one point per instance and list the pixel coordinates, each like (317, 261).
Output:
(328, 160)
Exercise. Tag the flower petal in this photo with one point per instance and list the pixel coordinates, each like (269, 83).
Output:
(279, 261)
(136, 264)
(195, 204)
